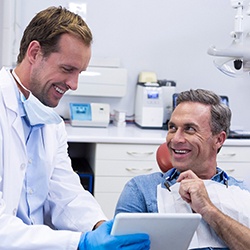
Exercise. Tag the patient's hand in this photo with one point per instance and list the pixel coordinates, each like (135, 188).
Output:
(189, 174)
(193, 191)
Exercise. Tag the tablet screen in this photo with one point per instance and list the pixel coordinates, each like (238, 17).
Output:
(166, 231)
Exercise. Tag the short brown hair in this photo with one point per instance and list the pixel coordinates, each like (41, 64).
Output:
(47, 27)
(220, 113)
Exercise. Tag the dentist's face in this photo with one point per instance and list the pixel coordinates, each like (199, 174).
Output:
(190, 140)
(52, 76)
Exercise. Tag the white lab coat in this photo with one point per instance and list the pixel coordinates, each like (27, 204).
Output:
(70, 209)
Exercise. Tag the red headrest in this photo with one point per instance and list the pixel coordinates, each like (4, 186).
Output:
(163, 158)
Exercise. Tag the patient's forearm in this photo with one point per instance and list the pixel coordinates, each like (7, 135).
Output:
(235, 235)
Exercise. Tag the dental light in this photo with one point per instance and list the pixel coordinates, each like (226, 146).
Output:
(235, 60)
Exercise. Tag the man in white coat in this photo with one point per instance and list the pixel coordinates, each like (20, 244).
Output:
(42, 202)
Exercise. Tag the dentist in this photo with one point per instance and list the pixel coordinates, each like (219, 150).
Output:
(42, 202)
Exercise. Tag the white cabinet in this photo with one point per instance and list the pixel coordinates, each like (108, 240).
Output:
(117, 154)
(235, 160)
(115, 164)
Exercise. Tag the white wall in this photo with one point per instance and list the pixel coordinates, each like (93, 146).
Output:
(170, 37)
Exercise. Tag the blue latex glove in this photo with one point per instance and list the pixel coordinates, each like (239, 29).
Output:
(101, 239)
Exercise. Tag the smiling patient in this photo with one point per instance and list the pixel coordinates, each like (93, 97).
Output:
(197, 129)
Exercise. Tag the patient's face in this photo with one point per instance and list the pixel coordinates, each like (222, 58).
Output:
(190, 140)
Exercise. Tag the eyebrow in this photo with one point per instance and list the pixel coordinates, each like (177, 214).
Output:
(189, 124)
(171, 124)
(71, 67)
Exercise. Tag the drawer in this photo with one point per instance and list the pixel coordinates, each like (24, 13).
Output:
(240, 171)
(136, 152)
(234, 154)
(125, 167)
(110, 184)
(107, 202)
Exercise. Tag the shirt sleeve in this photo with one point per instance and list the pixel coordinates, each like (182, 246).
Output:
(131, 199)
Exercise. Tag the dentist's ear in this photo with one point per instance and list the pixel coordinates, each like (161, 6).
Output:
(33, 51)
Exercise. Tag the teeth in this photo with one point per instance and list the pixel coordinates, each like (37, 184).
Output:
(180, 151)
(59, 90)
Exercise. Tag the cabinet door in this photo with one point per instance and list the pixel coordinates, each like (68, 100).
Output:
(235, 161)
(107, 192)
(108, 202)
(115, 165)
(239, 170)
(134, 152)
(234, 154)
(125, 168)
(110, 184)
(125, 159)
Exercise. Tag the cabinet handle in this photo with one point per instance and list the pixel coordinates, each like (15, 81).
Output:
(137, 170)
(138, 154)
(230, 170)
(227, 155)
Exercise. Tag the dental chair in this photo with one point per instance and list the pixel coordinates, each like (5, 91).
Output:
(163, 158)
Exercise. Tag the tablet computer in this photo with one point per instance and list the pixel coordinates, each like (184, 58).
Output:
(167, 231)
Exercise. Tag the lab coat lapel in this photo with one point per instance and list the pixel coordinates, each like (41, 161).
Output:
(11, 104)
(14, 153)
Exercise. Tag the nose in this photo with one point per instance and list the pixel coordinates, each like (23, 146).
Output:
(177, 137)
(72, 82)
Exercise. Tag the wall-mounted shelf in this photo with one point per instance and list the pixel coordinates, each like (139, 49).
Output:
(102, 81)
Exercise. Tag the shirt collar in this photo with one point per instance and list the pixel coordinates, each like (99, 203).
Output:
(172, 175)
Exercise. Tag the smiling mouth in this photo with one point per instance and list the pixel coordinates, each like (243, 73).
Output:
(60, 91)
(181, 151)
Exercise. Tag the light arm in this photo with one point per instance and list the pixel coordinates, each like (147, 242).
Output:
(192, 190)
(235, 235)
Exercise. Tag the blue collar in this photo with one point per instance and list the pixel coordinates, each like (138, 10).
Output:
(172, 175)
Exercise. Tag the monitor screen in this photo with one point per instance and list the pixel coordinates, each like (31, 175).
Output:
(153, 95)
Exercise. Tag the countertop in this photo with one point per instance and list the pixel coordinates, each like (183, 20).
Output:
(129, 134)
